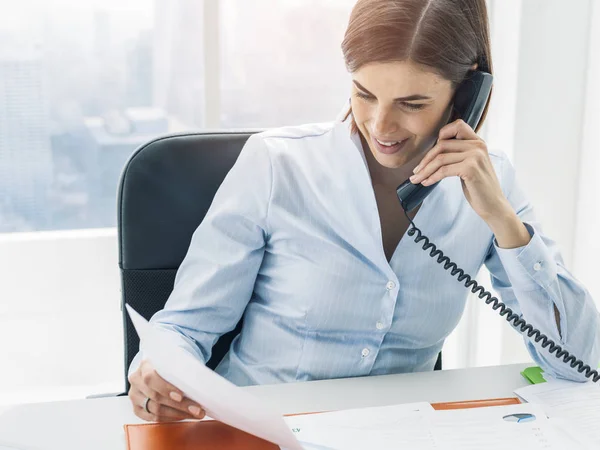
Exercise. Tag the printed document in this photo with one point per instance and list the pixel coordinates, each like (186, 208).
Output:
(576, 403)
(419, 427)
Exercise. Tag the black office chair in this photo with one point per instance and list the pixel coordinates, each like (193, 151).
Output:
(165, 191)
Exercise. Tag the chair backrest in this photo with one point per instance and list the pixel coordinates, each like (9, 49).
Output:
(165, 191)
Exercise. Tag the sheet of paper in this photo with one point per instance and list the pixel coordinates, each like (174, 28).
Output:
(221, 399)
(497, 428)
(417, 426)
(578, 403)
(403, 425)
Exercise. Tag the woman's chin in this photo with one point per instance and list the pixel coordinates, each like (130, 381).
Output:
(391, 161)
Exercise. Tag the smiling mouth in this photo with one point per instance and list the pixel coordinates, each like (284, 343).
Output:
(389, 147)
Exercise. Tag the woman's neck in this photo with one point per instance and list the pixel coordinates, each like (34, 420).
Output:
(381, 175)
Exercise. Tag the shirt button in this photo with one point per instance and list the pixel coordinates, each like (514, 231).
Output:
(365, 352)
(391, 285)
(537, 266)
(379, 325)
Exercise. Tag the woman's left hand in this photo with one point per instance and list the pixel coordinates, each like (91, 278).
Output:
(461, 152)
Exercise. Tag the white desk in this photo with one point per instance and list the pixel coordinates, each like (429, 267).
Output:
(98, 424)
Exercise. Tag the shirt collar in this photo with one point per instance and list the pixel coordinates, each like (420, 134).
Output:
(346, 126)
(343, 112)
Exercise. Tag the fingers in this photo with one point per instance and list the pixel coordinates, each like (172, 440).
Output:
(142, 414)
(167, 394)
(460, 169)
(458, 129)
(467, 164)
(156, 412)
(449, 146)
(168, 402)
(455, 137)
(439, 161)
(152, 380)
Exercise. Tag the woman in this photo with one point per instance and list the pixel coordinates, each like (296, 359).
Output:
(305, 236)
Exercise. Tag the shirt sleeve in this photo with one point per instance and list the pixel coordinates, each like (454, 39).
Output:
(532, 279)
(216, 279)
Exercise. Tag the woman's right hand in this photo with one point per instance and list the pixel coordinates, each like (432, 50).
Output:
(166, 404)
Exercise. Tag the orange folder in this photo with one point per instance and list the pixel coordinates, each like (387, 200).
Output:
(210, 434)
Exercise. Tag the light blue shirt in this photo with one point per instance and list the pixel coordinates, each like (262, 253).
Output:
(293, 242)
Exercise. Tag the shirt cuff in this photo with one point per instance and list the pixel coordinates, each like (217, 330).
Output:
(529, 267)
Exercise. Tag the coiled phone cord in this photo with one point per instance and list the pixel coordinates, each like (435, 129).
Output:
(505, 311)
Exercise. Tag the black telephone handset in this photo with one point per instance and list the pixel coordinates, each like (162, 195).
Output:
(469, 102)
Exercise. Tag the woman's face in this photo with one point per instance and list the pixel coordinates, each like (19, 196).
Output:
(399, 107)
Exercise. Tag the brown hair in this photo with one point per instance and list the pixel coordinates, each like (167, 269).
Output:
(448, 36)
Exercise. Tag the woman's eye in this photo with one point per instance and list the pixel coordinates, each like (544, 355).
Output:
(409, 106)
(364, 96)
(413, 107)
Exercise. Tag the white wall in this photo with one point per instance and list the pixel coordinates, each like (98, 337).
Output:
(499, 127)
(549, 111)
(551, 93)
(60, 320)
(586, 261)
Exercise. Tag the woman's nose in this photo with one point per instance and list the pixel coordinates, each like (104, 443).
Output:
(384, 124)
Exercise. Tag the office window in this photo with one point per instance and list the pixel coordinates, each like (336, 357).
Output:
(83, 83)
(286, 50)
